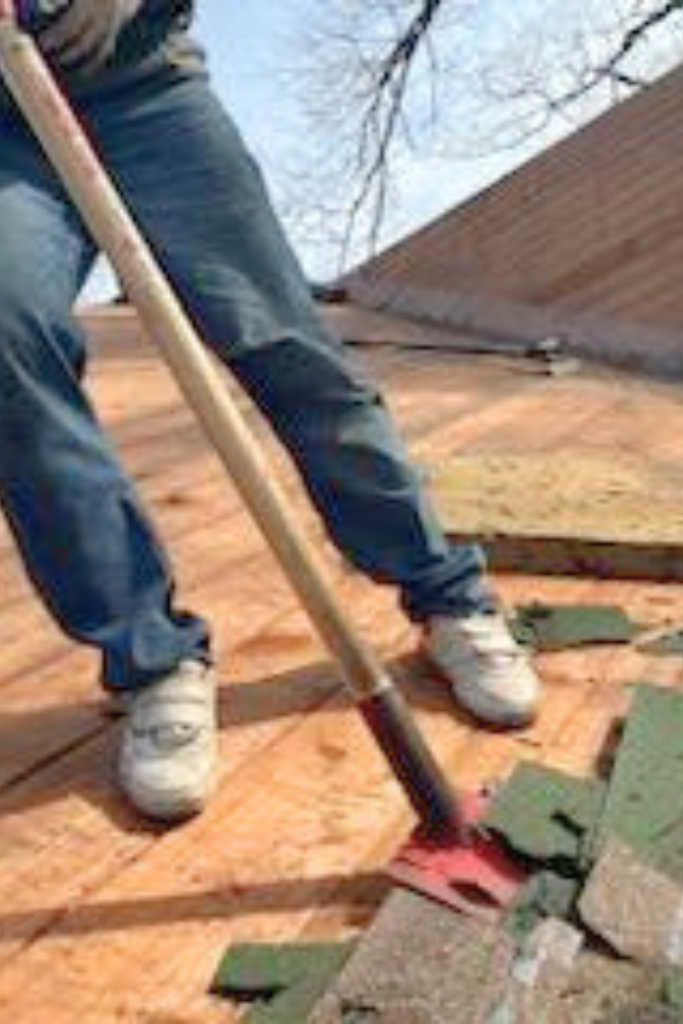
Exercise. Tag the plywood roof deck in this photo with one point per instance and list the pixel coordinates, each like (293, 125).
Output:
(105, 919)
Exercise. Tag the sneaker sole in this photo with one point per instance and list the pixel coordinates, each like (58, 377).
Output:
(168, 809)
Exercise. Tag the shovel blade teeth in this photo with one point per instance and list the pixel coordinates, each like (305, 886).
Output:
(464, 900)
(477, 877)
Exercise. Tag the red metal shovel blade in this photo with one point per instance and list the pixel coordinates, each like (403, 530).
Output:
(477, 877)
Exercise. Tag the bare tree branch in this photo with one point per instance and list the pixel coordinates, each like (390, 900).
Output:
(389, 78)
(611, 69)
(380, 121)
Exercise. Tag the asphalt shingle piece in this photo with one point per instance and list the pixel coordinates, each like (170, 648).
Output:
(421, 963)
(283, 981)
(540, 975)
(606, 990)
(546, 895)
(645, 1015)
(665, 644)
(672, 989)
(294, 1005)
(546, 815)
(556, 627)
(638, 911)
(644, 804)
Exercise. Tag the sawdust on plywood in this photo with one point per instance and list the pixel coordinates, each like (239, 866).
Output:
(568, 493)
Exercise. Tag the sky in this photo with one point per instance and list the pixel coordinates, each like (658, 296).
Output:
(244, 42)
(247, 43)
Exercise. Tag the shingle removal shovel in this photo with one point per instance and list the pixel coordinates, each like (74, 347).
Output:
(449, 858)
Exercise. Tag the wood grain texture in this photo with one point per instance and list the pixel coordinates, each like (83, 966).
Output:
(105, 920)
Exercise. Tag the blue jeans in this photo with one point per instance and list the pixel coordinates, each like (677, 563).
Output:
(85, 540)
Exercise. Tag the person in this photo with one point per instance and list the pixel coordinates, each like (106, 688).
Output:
(141, 87)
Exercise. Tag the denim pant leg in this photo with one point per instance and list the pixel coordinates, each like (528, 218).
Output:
(201, 200)
(84, 539)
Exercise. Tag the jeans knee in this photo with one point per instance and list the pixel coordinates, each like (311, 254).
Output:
(34, 337)
(41, 363)
(299, 377)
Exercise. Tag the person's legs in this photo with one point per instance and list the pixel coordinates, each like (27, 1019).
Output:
(199, 197)
(200, 200)
(85, 541)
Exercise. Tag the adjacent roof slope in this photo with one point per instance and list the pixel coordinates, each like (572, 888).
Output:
(591, 228)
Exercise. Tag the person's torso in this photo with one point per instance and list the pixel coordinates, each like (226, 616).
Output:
(155, 39)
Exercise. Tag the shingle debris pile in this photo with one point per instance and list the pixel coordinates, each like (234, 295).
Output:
(608, 860)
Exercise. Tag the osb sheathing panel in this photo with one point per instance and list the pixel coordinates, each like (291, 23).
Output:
(568, 511)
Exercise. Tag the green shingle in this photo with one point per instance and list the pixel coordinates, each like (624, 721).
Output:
(283, 982)
(667, 644)
(672, 989)
(556, 627)
(548, 894)
(546, 815)
(644, 805)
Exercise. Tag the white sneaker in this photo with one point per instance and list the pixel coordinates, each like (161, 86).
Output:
(168, 756)
(490, 675)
